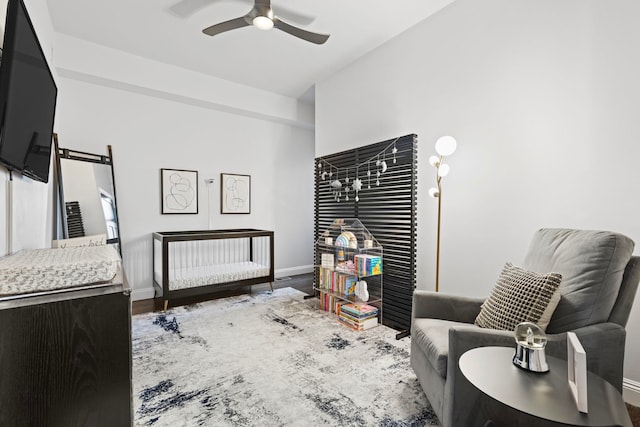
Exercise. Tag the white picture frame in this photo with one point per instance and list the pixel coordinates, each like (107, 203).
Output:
(577, 371)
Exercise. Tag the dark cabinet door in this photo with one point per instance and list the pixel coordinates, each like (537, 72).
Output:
(67, 363)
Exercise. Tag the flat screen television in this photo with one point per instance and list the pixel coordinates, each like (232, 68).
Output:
(28, 96)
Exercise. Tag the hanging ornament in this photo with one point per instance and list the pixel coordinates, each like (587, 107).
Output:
(383, 163)
(377, 182)
(383, 166)
(394, 151)
(324, 175)
(336, 186)
(357, 185)
(378, 174)
(347, 178)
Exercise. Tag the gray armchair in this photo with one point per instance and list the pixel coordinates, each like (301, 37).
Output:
(600, 279)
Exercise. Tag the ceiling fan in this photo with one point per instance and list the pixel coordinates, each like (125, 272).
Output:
(262, 16)
(187, 8)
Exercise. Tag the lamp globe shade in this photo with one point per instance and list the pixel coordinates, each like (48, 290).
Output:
(263, 22)
(446, 145)
(443, 170)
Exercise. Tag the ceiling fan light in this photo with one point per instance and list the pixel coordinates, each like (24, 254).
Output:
(263, 22)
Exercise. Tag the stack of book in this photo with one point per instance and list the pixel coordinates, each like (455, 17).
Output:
(335, 282)
(358, 317)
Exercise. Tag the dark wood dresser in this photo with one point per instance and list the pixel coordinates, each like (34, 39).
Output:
(65, 357)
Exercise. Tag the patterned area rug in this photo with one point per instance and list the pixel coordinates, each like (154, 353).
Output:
(270, 360)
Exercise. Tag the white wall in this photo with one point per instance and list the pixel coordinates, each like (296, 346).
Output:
(151, 132)
(169, 117)
(543, 98)
(32, 201)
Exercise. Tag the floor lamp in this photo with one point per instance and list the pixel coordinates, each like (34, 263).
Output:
(445, 146)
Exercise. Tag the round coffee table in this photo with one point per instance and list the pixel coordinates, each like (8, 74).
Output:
(543, 396)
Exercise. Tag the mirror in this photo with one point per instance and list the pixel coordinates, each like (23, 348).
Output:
(87, 195)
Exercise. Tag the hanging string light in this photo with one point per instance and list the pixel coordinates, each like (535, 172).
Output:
(355, 184)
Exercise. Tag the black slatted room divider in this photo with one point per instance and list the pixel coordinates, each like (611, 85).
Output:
(388, 211)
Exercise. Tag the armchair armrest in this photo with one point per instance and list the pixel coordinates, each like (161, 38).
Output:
(604, 345)
(460, 393)
(463, 338)
(435, 305)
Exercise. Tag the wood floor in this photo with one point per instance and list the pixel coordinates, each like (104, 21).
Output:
(634, 414)
(302, 282)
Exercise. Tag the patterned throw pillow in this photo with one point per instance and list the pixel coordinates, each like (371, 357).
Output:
(520, 296)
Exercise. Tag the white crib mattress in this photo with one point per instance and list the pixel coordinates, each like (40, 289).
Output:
(40, 270)
(192, 277)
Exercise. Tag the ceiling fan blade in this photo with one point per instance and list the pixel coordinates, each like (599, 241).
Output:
(299, 32)
(227, 26)
(293, 16)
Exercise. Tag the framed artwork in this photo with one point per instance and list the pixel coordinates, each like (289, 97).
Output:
(235, 193)
(179, 191)
(577, 371)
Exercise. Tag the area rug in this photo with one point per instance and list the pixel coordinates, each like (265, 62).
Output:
(270, 359)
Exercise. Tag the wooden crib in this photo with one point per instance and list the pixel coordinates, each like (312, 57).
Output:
(197, 263)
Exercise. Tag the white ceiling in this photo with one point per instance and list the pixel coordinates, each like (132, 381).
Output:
(170, 31)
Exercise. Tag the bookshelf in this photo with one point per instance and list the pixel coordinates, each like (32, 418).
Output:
(348, 274)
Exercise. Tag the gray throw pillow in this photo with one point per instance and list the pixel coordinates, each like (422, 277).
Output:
(520, 296)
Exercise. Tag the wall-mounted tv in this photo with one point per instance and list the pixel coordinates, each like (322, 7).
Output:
(27, 98)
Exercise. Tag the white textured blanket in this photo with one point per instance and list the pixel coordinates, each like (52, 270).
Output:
(40, 270)
(181, 278)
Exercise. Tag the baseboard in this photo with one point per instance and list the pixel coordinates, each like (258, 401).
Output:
(293, 271)
(140, 294)
(631, 391)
